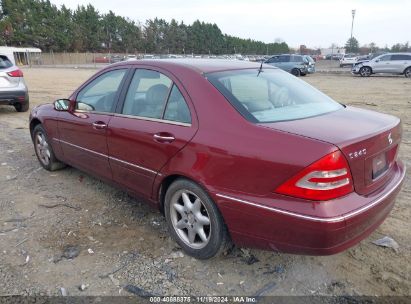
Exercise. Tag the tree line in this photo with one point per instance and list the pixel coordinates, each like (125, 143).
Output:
(353, 46)
(38, 23)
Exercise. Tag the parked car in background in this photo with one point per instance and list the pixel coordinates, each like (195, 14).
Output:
(13, 89)
(311, 64)
(229, 149)
(294, 64)
(348, 59)
(392, 63)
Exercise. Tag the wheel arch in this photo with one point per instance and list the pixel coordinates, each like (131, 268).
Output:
(33, 123)
(367, 66)
(166, 183)
(408, 67)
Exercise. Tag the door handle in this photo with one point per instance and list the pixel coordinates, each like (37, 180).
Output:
(164, 137)
(99, 125)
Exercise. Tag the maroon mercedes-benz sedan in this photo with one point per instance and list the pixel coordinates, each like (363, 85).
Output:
(229, 150)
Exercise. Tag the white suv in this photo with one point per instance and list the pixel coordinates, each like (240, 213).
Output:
(13, 89)
(394, 63)
(348, 59)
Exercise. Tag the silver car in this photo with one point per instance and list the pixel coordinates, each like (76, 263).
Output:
(393, 63)
(13, 89)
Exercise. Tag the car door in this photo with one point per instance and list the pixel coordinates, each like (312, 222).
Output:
(83, 131)
(382, 64)
(399, 62)
(285, 63)
(155, 120)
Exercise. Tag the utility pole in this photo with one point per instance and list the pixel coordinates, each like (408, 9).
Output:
(352, 26)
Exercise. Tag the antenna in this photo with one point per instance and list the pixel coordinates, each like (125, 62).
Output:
(261, 68)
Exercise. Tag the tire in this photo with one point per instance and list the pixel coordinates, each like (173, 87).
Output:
(44, 151)
(194, 220)
(365, 71)
(407, 72)
(22, 107)
(296, 72)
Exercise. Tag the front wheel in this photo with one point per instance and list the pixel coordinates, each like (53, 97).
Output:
(407, 72)
(194, 220)
(296, 72)
(365, 71)
(44, 151)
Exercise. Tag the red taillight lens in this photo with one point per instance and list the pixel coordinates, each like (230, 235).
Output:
(15, 73)
(325, 179)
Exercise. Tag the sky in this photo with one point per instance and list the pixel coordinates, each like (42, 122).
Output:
(314, 23)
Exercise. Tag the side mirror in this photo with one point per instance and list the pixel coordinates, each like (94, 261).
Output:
(377, 60)
(62, 104)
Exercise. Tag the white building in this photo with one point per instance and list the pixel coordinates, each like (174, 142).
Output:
(20, 56)
(329, 51)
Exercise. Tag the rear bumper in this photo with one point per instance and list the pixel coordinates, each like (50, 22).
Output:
(13, 97)
(252, 224)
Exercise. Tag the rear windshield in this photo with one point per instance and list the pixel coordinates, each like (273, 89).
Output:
(5, 62)
(272, 96)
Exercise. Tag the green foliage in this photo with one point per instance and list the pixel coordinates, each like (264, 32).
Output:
(39, 23)
(352, 45)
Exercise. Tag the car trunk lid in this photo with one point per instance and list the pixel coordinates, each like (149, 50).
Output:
(369, 141)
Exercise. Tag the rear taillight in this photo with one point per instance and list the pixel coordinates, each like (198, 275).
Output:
(15, 73)
(325, 179)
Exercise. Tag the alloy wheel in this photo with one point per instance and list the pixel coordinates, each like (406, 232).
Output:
(365, 71)
(408, 73)
(42, 148)
(190, 219)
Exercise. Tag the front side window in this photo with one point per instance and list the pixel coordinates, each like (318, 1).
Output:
(273, 59)
(147, 94)
(271, 96)
(385, 58)
(100, 94)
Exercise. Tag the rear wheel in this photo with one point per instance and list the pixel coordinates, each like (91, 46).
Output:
(407, 72)
(44, 151)
(194, 220)
(296, 72)
(365, 71)
(22, 107)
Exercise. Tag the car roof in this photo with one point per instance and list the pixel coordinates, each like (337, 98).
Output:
(202, 66)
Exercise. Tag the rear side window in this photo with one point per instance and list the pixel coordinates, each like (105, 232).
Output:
(177, 109)
(400, 57)
(153, 95)
(5, 63)
(147, 94)
(284, 58)
(297, 58)
(271, 96)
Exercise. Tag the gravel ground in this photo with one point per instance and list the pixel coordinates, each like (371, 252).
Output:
(117, 240)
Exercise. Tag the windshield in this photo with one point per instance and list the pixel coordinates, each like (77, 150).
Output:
(271, 96)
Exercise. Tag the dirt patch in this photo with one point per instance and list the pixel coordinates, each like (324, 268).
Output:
(121, 241)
